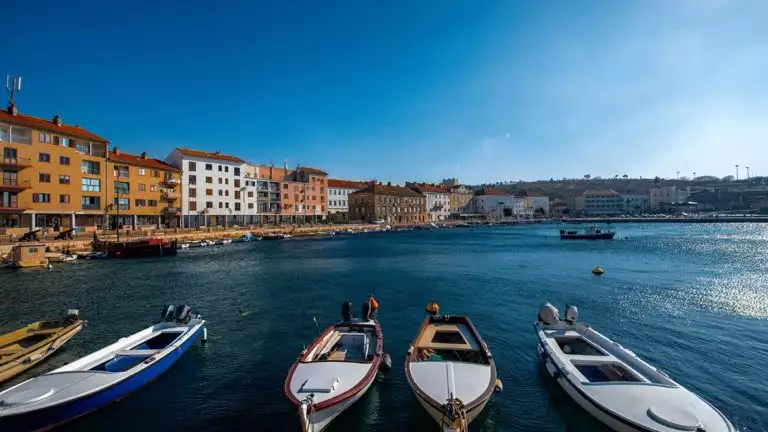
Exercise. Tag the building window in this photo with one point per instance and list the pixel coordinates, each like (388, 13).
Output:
(140, 203)
(122, 203)
(193, 179)
(44, 178)
(20, 135)
(44, 157)
(122, 188)
(142, 171)
(226, 193)
(285, 186)
(122, 171)
(237, 171)
(221, 205)
(155, 173)
(44, 137)
(209, 192)
(91, 203)
(237, 194)
(64, 199)
(3, 133)
(41, 198)
(142, 187)
(209, 180)
(63, 160)
(209, 167)
(209, 204)
(237, 183)
(237, 206)
(221, 192)
(63, 179)
(88, 167)
(91, 185)
(226, 181)
(83, 148)
(192, 193)
(192, 166)
(250, 205)
(220, 180)
(152, 203)
(193, 205)
(250, 194)
(153, 188)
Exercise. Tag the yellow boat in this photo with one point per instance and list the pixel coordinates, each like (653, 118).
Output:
(28, 346)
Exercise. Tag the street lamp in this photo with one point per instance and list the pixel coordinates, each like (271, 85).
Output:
(747, 172)
(737, 172)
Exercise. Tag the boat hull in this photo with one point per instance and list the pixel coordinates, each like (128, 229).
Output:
(437, 415)
(50, 417)
(37, 355)
(324, 417)
(601, 236)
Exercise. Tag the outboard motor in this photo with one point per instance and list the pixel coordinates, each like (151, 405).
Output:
(366, 311)
(183, 313)
(571, 313)
(346, 311)
(548, 314)
(169, 312)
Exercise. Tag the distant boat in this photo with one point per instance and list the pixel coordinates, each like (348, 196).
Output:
(613, 384)
(152, 247)
(102, 377)
(590, 232)
(92, 255)
(221, 242)
(30, 345)
(276, 236)
(197, 244)
(183, 245)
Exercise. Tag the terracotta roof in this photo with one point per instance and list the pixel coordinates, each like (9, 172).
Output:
(493, 191)
(48, 125)
(139, 161)
(209, 155)
(428, 188)
(609, 192)
(312, 170)
(348, 184)
(389, 190)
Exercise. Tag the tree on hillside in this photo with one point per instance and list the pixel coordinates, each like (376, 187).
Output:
(656, 181)
(587, 176)
(625, 176)
(616, 177)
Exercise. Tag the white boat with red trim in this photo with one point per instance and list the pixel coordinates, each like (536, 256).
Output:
(451, 370)
(336, 369)
(615, 385)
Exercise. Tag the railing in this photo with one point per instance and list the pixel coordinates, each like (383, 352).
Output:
(171, 181)
(170, 195)
(91, 206)
(20, 184)
(16, 162)
(172, 210)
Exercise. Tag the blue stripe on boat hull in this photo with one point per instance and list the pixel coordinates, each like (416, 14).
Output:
(56, 415)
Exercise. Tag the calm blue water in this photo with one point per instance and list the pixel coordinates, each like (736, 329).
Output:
(691, 299)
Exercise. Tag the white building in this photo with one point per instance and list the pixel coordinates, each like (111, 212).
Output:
(438, 200)
(667, 195)
(338, 198)
(534, 205)
(634, 203)
(213, 188)
(498, 204)
(597, 202)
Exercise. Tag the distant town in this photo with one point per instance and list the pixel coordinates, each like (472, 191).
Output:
(63, 177)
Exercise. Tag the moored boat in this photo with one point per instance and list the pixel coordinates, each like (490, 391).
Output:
(197, 244)
(182, 245)
(60, 257)
(92, 255)
(24, 255)
(614, 385)
(278, 236)
(589, 232)
(451, 370)
(102, 377)
(336, 369)
(30, 345)
(221, 242)
(151, 247)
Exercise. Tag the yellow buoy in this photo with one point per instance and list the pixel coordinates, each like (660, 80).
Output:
(597, 271)
(432, 308)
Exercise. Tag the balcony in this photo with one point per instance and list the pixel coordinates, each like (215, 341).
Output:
(169, 195)
(172, 210)
(171, 181)
(12, 208)
(15, 163)
(15, 185)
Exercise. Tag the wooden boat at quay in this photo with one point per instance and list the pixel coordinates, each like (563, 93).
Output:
(451, 370)
(30, 345)
(614, 385)
(590, 232)
(102, 377)
(151, 247)
(336, 369)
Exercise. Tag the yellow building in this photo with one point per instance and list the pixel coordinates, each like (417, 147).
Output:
(45, 166)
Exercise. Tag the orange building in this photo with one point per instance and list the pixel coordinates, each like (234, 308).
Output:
(144, 192)
(304, 195)
(52, 174)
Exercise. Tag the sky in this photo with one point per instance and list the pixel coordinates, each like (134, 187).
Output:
(483, 91)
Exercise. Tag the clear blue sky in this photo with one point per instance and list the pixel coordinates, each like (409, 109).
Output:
(409, 90)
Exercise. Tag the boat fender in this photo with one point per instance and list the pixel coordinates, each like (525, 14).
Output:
(33, 358)
(386, 363)
(432, 308)
(204, 337)
(410, 349)
(499, 386)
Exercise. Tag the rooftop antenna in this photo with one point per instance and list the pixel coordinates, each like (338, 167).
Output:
(13, 85)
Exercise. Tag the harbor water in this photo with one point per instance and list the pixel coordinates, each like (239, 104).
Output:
(690, 299)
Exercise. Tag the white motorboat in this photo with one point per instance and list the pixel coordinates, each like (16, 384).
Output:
(197, 244)
(183, 246)
(335, 370)
(92, 255)
(102, 377)
(451, 370)
(221, 242)
(615, 385)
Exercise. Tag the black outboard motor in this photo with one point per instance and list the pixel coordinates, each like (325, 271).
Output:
(169, 312)
(346, 311)
(366, 316)
(183, 313)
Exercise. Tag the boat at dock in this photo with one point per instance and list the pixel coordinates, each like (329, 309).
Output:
(197, 244)
(589, 232)
(335, 370)
(151, 247)
(92, 255)
(222, 242)
(451, 370)
(25, 255)
(30, 345)
(60, 257)
(102, 377)
(613, 384)
(279, 236)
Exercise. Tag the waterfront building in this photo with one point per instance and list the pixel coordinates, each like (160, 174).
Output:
(598, 202)
(460, 198)
(438, 200)
(264, 185)
(498, 203)
(211, 188)
(450, 182)
(662, 195)
(53, 174)
(390, 203)
(338, 198)
(634, 203)
(536, 205)
(304, 195)
(141, 192)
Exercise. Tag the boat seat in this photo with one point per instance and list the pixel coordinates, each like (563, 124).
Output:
(136, 353)
(350, 347)
(590, 359)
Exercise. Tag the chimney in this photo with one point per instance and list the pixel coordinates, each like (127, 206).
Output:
(12, 110)
(217, 152)
(57, 120)
(389, 183)
(143, 155)
(115, 150)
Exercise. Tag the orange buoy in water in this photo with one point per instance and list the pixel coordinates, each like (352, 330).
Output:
(597, 271)
(432, 308)
(374, 303)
